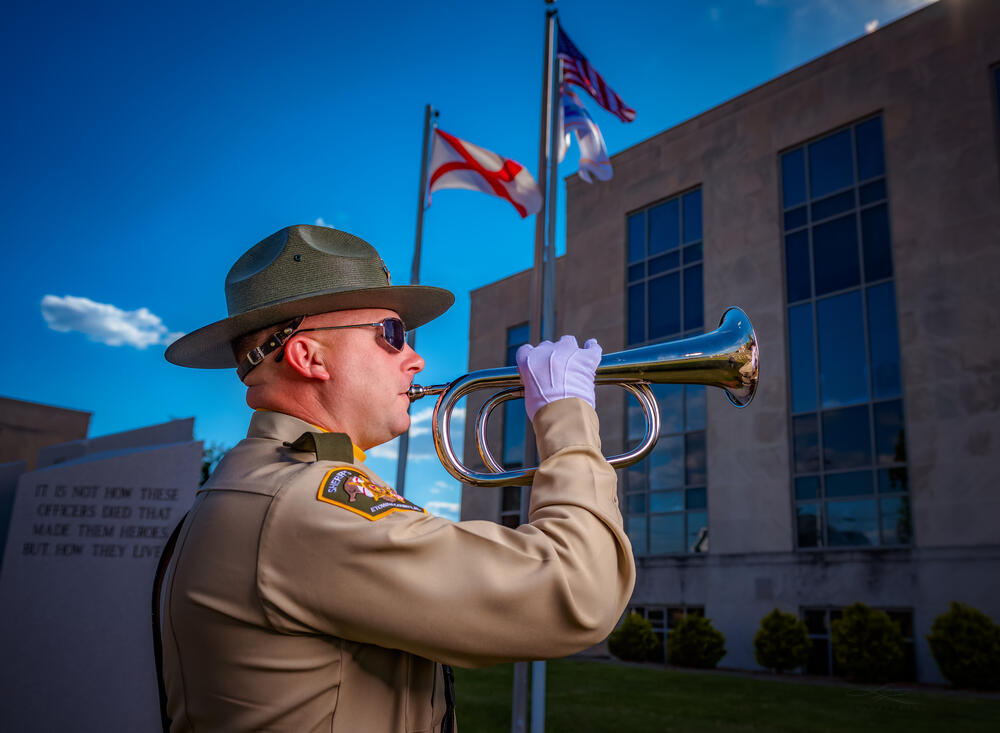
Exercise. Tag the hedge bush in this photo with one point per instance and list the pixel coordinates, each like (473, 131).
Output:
(695, 643)
(965, 643)
(867, 644)
(634, 641)
(782, 642)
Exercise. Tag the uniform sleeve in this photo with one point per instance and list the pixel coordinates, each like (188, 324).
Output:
(465, 593)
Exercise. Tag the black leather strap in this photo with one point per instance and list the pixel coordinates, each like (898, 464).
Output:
(448, 724)
(275, 341)
(161, 569)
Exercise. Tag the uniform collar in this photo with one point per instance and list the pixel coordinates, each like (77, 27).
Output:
(287, 429)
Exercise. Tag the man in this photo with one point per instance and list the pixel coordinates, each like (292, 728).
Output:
(304, 594)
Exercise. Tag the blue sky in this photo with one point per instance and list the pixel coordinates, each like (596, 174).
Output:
(147, 145)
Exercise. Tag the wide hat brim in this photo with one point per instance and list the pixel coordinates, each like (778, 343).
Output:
(303, 270)
(210, 346)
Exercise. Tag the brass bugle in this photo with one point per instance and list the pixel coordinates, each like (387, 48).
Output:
(726, 358)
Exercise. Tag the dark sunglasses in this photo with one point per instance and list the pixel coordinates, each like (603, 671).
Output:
(393, 331)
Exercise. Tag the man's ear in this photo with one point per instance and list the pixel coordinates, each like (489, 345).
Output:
(306, 358)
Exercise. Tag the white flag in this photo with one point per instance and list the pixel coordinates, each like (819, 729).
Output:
(593, 153)
(458, 164)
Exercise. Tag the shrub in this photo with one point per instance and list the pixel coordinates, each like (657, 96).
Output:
(782, 642)
(867, 644)
(634, 640)
(966, 646)
(695, 643)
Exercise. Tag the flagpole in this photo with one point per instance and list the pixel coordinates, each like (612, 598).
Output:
(538, 669)
(540, 323)
(549, 289)
(411, 336)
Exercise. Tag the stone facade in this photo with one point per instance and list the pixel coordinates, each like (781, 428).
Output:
(27, 427)
(931, 78)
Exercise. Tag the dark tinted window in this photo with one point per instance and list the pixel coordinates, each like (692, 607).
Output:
(637, 313)
(664, 291)
(693, 300)
(692, 217)
(843, 367)
(846, 438)
(665, 299)
(848, 432)
(884, 339)
(835, 250)
(515, 419)
(806, 436)
(875, 236)
(830, 164)
(797, 274)
(665, 494)
(890, 436)
(664, 227)
(871, 156)
(637, 236)
(833, 205)
(793, 177)
(803, 357)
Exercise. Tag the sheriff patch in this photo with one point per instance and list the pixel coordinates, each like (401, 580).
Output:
(352, 490)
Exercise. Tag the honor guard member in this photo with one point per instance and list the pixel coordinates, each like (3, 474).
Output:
(304, 594)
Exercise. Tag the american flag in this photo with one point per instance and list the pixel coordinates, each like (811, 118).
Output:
(577, 70)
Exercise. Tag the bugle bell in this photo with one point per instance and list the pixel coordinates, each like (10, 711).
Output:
(726, 358)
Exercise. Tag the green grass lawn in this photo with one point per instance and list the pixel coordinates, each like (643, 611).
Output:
(586, 696)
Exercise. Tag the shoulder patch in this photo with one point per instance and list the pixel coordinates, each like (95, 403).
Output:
(350, 489)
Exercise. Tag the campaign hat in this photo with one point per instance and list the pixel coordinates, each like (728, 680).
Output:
(303, 270)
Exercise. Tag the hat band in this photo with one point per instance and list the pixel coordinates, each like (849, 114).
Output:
(275, 341)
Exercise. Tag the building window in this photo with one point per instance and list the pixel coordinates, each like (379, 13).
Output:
(664, 619)
(666, 503)
(514, 425)
(664, 270)
(847, 429)
(821, 659)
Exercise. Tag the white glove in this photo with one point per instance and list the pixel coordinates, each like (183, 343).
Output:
(552, 372)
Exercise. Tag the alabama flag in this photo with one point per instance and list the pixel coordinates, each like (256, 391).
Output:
(458, 164)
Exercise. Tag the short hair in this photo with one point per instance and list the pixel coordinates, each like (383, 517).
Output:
(243, 345)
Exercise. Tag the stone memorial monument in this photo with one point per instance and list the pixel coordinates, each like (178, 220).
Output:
(86, 531)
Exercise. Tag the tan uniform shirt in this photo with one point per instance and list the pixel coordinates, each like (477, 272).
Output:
(303, 595)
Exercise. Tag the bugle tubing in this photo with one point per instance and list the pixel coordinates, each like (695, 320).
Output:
(726, 358)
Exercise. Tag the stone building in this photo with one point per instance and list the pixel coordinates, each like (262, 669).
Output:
(852, 208)
(27, 427)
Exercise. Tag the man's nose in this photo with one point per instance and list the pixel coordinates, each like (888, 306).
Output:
(413, 361)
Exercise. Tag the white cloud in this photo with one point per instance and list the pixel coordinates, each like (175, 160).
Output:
(387, 451)
(419, 426)
(105, 323)
(446, 509)
(390, 452)
(424, 415)
(421, 416)
(418, 418)
(441, 486)
(340, 220)
(411, 456)
(714, 14)
(871, 25)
